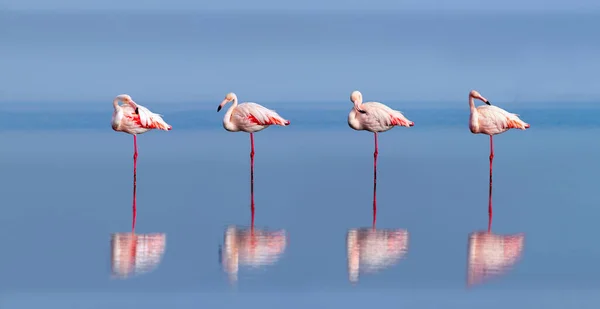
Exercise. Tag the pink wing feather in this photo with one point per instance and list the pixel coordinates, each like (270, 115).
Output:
(382, 115)
(144, 117)
(497, 120)
(255, 114)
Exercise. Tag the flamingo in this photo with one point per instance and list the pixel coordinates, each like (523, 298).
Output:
(374, 117)
(491, 120)
(249, 117)
(135, 119)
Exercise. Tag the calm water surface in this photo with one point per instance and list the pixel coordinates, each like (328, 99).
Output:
(66, 220)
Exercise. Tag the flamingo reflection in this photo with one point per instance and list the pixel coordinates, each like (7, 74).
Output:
(492, 255)
(132, 254)
(371, 250)
(135, 254)
(250, 246)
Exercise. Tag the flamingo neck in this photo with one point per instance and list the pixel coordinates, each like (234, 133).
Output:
(117, 115)
(471, 103)
(232, 107)
(473, 119)
(357, 104)
(227, 118)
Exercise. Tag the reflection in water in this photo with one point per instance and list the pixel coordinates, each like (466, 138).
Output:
(492, 255)
(251, 247)
(371, 250)
(135, 254)
(132, 254)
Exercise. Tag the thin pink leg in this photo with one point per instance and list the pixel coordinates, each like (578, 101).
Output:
(375, 179)
(490, 194)
(252, 174)
(135, 155)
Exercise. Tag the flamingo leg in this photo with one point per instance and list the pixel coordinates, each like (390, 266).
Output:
(135, 155)
(375, 179)
(374, 205)
(252, 174)
(490, 194)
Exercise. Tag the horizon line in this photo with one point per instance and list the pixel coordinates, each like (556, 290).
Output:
(381, 11)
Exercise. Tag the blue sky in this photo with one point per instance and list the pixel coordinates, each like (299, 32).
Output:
(510, 5)
(199, 57)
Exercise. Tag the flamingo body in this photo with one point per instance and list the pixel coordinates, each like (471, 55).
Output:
(492, 120)
(135, 119)
(374, 116)
(378, 118)
(251, 117)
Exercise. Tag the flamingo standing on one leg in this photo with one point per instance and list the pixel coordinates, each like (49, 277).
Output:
(491, 120)
(374, 117)
(249, 117)
(135, 119)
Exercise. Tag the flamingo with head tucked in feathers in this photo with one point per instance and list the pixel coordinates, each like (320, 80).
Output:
(374, 117)
(135, 119)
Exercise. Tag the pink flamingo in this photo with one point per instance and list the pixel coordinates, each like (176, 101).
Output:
(491, 120)
(374, 117)
(249, 117)
(135, 119)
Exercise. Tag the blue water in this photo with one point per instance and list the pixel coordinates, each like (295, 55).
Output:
(67, 188)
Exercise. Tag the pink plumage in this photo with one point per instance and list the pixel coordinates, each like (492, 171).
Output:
(374, 116)
(491, 120)
(135, 119)
(248, 117)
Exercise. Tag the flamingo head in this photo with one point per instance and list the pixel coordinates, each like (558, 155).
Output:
(474, 94)
(356, 98)
(228, 98)
(125, 98)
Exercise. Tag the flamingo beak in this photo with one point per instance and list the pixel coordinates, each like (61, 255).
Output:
(487, 102)
(360, 110)
(221, 105)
